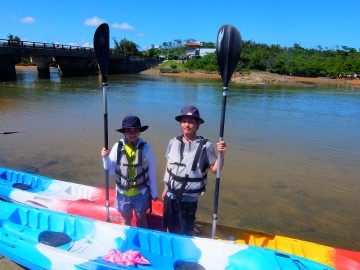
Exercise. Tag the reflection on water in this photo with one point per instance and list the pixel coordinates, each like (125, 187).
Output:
(292, 167)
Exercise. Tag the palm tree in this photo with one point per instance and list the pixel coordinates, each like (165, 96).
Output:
(14, 38)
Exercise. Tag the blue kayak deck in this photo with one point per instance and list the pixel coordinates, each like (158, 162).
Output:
(86, 241)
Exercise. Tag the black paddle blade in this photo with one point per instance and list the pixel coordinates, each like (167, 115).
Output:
(9, 132)
(101, 46)
(228, 49)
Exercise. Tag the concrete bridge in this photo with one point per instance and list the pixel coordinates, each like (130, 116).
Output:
(70, 60)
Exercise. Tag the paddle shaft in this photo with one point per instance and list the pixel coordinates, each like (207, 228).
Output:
(104, 87)
(220, 157)
(106, 145)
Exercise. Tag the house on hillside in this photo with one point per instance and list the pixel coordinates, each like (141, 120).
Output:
(204, 51)
(194, 50)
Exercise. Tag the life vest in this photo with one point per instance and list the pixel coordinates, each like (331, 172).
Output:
(122, 168)
(186, 174)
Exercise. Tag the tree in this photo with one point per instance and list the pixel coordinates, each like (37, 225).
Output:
(208, 44)
(14, 38)
(165, 45)
(152, 52)
(126, 47)
(178, 42)
(296, 60)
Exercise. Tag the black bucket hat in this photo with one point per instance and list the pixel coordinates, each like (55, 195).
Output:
(189, 111)
(132, 122)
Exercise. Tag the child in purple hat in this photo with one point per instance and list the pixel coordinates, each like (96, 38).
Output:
(189, 158)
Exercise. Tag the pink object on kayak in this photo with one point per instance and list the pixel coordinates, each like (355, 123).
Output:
(129, 257)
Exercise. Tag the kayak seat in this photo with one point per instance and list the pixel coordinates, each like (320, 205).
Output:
(21, 186)
(54, 239)
(23, 181)
(182, 265)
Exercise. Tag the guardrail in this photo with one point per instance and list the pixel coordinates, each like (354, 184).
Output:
(41, 45)
(55, 46)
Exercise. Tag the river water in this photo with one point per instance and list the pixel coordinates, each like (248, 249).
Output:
(292, 165)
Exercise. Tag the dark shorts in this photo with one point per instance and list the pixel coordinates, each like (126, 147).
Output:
(179, 213)
(126, 204)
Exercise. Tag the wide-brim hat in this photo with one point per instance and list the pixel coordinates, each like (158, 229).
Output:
(132, 121)
(190, 111)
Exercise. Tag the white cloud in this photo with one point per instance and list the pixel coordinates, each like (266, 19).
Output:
(87, 44)
(141, 35)
(27, 20)
(123, 26)
(80, 43)
(94, 21)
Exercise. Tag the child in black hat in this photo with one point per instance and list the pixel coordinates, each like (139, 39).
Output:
(133, 162)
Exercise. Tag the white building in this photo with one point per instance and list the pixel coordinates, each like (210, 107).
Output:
(194, 50)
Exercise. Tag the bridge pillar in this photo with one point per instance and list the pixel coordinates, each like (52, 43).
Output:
(7, 72)
(42, 65)
(76, 66)
(7, 67)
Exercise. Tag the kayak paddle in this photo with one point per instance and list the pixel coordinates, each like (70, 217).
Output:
(228, 49)
(10, 132)
(102, 51)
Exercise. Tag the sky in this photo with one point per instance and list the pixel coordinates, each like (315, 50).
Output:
(310, 23)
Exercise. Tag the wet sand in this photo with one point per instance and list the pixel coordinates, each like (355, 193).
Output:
(259, 78)
(6, 264)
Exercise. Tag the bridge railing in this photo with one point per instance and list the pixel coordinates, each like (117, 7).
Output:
(41, 45)
(55, 46)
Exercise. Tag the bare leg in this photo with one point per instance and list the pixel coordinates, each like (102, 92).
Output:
(128, 218)
(174, 229)
(141, 220)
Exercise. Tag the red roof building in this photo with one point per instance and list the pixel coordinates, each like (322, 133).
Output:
(193, 44)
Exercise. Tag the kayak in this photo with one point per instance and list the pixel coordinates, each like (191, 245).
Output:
(340, 259)
(77, 199)
(40, 191)
(39, 238)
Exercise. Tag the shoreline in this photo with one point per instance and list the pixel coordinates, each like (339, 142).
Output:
(260, 78)
(252, 78)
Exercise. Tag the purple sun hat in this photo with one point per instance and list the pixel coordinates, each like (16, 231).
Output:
(189, 111)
